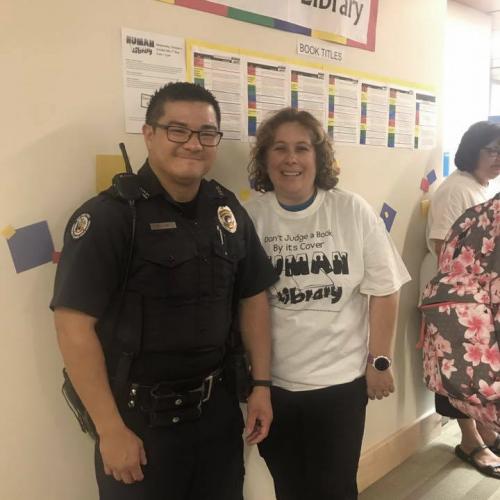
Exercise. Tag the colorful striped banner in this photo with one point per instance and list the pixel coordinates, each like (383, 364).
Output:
(220, 9)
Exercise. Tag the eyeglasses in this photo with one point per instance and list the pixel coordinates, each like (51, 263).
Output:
(181, 135)
(492, 152)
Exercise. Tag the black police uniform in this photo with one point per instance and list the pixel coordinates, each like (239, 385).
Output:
(190, 262)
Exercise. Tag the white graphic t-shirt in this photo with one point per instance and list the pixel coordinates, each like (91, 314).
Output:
(330, 257)
(454, 196)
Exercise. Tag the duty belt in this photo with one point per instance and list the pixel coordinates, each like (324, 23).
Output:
(169, 403)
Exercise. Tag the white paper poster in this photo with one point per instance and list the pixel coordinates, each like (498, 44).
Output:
(401, 118)
(343, 109)
(221, 73)
(425, 121)
(374, 115)
(267, 91)
(309, 92)
(149, 61)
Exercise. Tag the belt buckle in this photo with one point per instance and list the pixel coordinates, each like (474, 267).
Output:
(210, 380)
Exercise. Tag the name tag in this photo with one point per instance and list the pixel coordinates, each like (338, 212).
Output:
(158, 226)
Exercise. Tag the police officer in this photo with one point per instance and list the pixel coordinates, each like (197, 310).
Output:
(143, 321)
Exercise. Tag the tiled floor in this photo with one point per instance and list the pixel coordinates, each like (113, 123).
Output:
(435, 473)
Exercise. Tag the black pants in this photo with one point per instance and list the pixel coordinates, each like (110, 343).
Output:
(313, 448)
(201, 460)
(446, 409)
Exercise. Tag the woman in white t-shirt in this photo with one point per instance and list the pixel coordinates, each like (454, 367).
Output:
(340, 276)
(478, 163)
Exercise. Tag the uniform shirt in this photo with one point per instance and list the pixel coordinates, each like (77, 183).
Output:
(186, 266)
(330, 257)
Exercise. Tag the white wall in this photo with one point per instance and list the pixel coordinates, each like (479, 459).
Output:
(466, 85)
(62, 105)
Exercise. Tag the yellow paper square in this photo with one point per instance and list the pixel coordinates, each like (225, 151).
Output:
(106, 167)
(245, 194)
(424, 207)
(7, 232)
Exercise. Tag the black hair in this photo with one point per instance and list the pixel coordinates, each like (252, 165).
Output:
(179, 91)
(476, 138)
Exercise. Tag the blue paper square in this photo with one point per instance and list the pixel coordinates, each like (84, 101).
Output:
(446, 164)
(431, 177)
(31, 246)
(388, 215)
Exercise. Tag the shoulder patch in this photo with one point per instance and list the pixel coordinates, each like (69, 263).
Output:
(80, 226)
(227, 219)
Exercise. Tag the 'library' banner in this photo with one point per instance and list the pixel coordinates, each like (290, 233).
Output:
(348, 22)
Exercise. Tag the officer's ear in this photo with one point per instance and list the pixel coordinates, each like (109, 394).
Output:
(147, 132)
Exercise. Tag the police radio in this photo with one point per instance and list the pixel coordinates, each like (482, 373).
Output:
(126, 184)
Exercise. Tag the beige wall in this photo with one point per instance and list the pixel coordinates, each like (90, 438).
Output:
(62, 104)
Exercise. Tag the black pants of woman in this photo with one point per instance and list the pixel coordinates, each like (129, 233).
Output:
(314, 444)
(446, 409)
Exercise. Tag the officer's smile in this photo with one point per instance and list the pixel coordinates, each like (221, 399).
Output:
(193, 158)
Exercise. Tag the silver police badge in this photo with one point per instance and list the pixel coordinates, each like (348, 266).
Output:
(80, 226)
(227, 219)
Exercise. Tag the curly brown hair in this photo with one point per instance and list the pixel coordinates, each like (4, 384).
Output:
(326, 167)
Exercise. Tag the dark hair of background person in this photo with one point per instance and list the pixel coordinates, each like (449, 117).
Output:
(326, 168)
(476, 138)
(179, 91)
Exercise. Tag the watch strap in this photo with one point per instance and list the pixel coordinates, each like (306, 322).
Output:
(262, 383)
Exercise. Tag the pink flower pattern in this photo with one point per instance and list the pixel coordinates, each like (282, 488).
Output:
(483, 221)
(466, 224)
(491, 356)
(446, 309)
(488, 246)
(479, 324)
(495, 291)
(447, 367)
(490, 392)
(473, 354)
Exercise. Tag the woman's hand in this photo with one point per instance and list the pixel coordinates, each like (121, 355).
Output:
(379, 384)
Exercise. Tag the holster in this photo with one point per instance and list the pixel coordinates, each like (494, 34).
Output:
(167, 408)
(76, 406)
(237, 373)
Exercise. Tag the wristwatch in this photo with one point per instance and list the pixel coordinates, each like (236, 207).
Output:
(380, 363)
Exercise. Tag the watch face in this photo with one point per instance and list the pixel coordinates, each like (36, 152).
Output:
(381, 363)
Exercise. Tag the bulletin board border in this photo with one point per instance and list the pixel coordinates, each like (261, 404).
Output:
(342, 70)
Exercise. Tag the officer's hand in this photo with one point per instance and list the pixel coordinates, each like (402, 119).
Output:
(259, 415)
(379, 384)
(122, 454)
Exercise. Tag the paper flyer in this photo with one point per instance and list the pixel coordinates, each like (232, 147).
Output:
(343, 109)
(309, 92)
(425, 121)
(149, 61)
(221, 73)
(268, 90)
(374, 114)
(401, 118)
